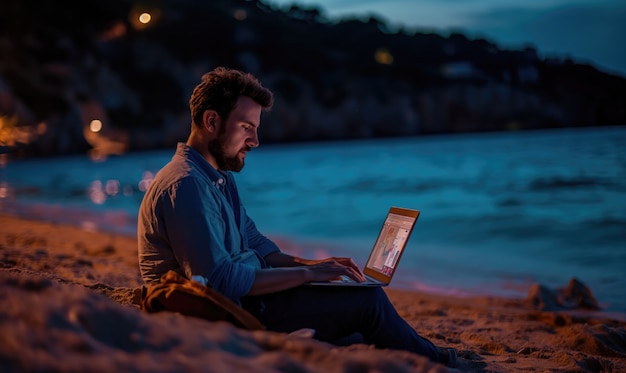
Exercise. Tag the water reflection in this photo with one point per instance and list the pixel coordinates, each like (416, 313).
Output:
(98, 191)
(146, 180)
(95, 194)
(4, 189)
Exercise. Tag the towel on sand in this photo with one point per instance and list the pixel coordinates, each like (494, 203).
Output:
(176, 293)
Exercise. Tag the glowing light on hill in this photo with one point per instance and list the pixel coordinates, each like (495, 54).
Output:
(95, 125)
(382, 56)
(240, 14)
(142, 17)
(145, 18)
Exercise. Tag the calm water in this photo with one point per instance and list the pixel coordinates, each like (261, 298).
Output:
(499, 212)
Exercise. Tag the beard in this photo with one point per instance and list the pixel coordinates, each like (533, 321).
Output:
(224, 162)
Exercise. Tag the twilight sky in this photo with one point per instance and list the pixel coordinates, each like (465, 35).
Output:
(588, 31)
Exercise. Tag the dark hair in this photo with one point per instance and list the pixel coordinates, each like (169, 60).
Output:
(220, 89)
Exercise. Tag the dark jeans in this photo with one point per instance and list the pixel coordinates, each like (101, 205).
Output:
(338, 312)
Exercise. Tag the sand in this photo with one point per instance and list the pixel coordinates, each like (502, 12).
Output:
(68, 304)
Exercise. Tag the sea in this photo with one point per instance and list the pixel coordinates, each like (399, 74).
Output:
(499, 212)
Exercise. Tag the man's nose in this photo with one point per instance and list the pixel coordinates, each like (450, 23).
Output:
(253, 140)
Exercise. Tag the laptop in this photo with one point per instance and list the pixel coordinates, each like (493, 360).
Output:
(387, 251)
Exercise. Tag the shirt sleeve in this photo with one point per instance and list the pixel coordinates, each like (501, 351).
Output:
(257, 241)
(197, 233)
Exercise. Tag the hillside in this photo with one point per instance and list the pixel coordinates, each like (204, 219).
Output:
(63, 64)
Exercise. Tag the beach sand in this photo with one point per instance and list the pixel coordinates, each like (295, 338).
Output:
(68, 305)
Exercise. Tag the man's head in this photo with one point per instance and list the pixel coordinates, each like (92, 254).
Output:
(225, 112)
(220, 89)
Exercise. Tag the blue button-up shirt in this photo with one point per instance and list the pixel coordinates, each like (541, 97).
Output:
(192, 221)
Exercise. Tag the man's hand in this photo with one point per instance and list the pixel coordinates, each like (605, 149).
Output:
(332, 268)
(346, 266)
(289, 271)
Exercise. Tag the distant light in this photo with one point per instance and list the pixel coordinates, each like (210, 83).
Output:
(95, 125)
(382, 56)
(240, 14)
(145, 18)
(142, 17)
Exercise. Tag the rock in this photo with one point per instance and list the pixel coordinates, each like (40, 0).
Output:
(575, 295)
(542, 298)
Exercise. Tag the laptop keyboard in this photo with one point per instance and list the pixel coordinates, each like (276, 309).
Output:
(345, 279)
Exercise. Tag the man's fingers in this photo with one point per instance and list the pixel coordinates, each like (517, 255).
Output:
(336, 267)
(348, 262)
(357, 276)
(353, 271)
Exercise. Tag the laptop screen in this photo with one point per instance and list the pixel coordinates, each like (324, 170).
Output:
(390, 243)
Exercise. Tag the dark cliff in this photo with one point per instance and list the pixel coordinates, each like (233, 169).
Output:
(63, 64)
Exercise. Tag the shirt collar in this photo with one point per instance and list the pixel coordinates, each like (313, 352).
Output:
(218, 177)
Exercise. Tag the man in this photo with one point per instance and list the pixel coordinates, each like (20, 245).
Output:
(192, 221)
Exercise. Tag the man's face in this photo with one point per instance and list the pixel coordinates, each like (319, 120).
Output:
(237, 135)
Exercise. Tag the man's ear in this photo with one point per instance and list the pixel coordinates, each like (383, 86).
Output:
(209, 120)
